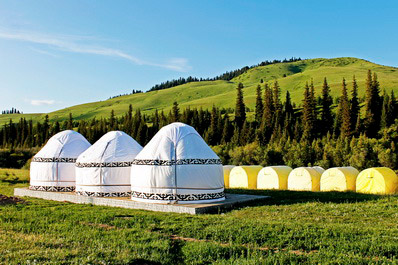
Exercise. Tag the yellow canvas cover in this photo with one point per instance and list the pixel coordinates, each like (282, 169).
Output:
(377, 180)
(244, 177)
(274, 177)
(339, 179)
(227, 170)
(304, 178)
(319, 169)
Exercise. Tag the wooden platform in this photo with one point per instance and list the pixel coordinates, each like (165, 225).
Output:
(230, 201)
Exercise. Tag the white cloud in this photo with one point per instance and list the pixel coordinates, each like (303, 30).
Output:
(41, 102)
(44, 52)
(71, 44)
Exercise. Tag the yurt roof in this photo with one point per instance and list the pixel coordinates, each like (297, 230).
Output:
(114, 146)
(65, 144)
(171, 143)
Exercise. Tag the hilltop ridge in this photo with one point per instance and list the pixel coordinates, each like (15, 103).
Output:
(291, 76)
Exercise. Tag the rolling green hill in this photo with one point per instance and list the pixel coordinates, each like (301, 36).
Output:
(291, 76)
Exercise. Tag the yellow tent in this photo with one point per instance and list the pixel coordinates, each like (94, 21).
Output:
(274, 177)
(304, 178)
(339, 179)
(227, 170)
(319, 169)
(377, 180)
(244, 177)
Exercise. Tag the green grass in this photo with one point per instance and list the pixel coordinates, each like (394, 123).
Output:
(223, 94)
(291, 227)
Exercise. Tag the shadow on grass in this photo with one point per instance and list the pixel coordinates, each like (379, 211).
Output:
(14, 181)
(285, 197)
(143, 262)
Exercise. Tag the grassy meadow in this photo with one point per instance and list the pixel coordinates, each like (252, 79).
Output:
(291, 76)
(291, 227)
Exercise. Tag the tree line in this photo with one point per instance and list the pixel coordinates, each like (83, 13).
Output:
(11, 111)
(225, 76)
(319, 131)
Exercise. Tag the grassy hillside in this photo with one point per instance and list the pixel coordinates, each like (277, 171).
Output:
(289, 228)
(222, 93)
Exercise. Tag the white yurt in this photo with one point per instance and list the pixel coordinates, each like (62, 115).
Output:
(273, 177)
(103, 170)
(177, 166)
(53, 167)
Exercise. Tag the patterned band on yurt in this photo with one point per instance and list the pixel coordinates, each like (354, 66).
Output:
(53, 167)
(177, 166)
(103, 170)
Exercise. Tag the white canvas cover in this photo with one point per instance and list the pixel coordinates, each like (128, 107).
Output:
(53, 167)
(177, 166)
(103, 170)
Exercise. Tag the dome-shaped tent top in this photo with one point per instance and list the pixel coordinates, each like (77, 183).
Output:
(319, 169)
(177, 166)
(377, 180)
(273, 177)
(103, 170)
(227, 170)
(53, 167)
(244, 177)
(339, 179)
(304, 178)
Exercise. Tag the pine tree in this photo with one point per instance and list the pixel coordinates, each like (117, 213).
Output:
(393, 110)
(235, 140)
(288, 113)
(344, 112)
(326, 112)
(130, 112)
(175, 112)
(277, 104)
(264, 132)
(70, 122)
(112, 122)
(245, 134)
(288, 108)
(225, 137)
(313, 106)
(259, 105)
(240, 108)
(213, 132)
(354, 103)
(385, 111)
(372, 105)
(46, 128)
(308, 114)
(358, 126)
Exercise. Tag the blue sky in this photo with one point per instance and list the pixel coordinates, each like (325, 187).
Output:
(54, 54)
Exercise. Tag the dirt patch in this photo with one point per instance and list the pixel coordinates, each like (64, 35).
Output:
(4, 200)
